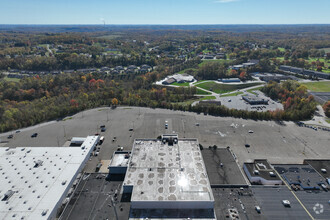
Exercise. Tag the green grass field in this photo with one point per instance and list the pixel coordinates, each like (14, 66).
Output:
(183, 71)
(281, 49)
(232, 94)
(224, 88)
(218, 61)
(322, 86)
(11, 79)
(180, 84)
(202, 92)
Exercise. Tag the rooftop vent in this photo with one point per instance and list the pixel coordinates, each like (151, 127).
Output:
(256, 172)
(38, 163)
(323, 170)
(272, 174)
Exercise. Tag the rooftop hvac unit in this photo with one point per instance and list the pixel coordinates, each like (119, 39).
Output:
(256, 172)
(7, 195)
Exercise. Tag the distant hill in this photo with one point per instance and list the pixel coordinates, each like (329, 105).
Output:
(319, 28)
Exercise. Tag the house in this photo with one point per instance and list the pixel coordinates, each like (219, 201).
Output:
(169, 81)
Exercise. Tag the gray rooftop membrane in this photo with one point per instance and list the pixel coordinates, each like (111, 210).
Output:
(172, 176)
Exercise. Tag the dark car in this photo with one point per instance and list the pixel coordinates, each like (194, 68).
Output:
(10, 136)
(247, 145)
(34, 135)
(103, 129)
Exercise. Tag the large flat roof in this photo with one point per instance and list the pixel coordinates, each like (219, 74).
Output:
(40, 178)
(300, 174)
(318, 165)
(227, 174)
(160, 172)
(270, 200)
(263, 168)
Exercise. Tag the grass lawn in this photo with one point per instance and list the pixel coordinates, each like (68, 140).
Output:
(183, 71)
(218, 61)
(202, 92)
(322, 86)
(11, 79)
(281, 49)
(327, 120)
(232, 94)
(180, 84)
(251, 90)
(280, 58)
(224, 88)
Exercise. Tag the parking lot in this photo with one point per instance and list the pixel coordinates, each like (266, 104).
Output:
(279, 143)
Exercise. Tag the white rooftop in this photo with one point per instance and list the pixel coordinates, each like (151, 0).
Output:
(120, 159)
(40, 178)
(160, 174)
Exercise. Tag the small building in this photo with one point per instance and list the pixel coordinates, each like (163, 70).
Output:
(261, 173)
(169, 81)
(245, 65)
(229, 80)
(77, 141)
(119, 162)
(237, 67)
(255, 100)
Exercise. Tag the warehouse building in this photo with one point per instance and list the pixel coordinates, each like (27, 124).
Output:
(36, 180)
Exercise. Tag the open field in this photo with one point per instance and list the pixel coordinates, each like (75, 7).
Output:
(184, 70)
(281, 49)
(287, 143)
(223, 88)
(321, 86)
(11, 79)
(218, 61)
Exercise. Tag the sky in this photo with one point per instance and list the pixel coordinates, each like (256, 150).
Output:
(164, 11)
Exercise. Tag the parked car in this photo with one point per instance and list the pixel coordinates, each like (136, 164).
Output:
(10, 136)
(34, 135)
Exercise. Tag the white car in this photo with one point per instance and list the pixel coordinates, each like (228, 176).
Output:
(250, 131)
(286, 203)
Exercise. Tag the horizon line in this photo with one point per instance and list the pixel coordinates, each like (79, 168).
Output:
(176, 24)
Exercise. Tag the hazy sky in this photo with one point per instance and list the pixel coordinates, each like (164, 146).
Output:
(164, 11)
